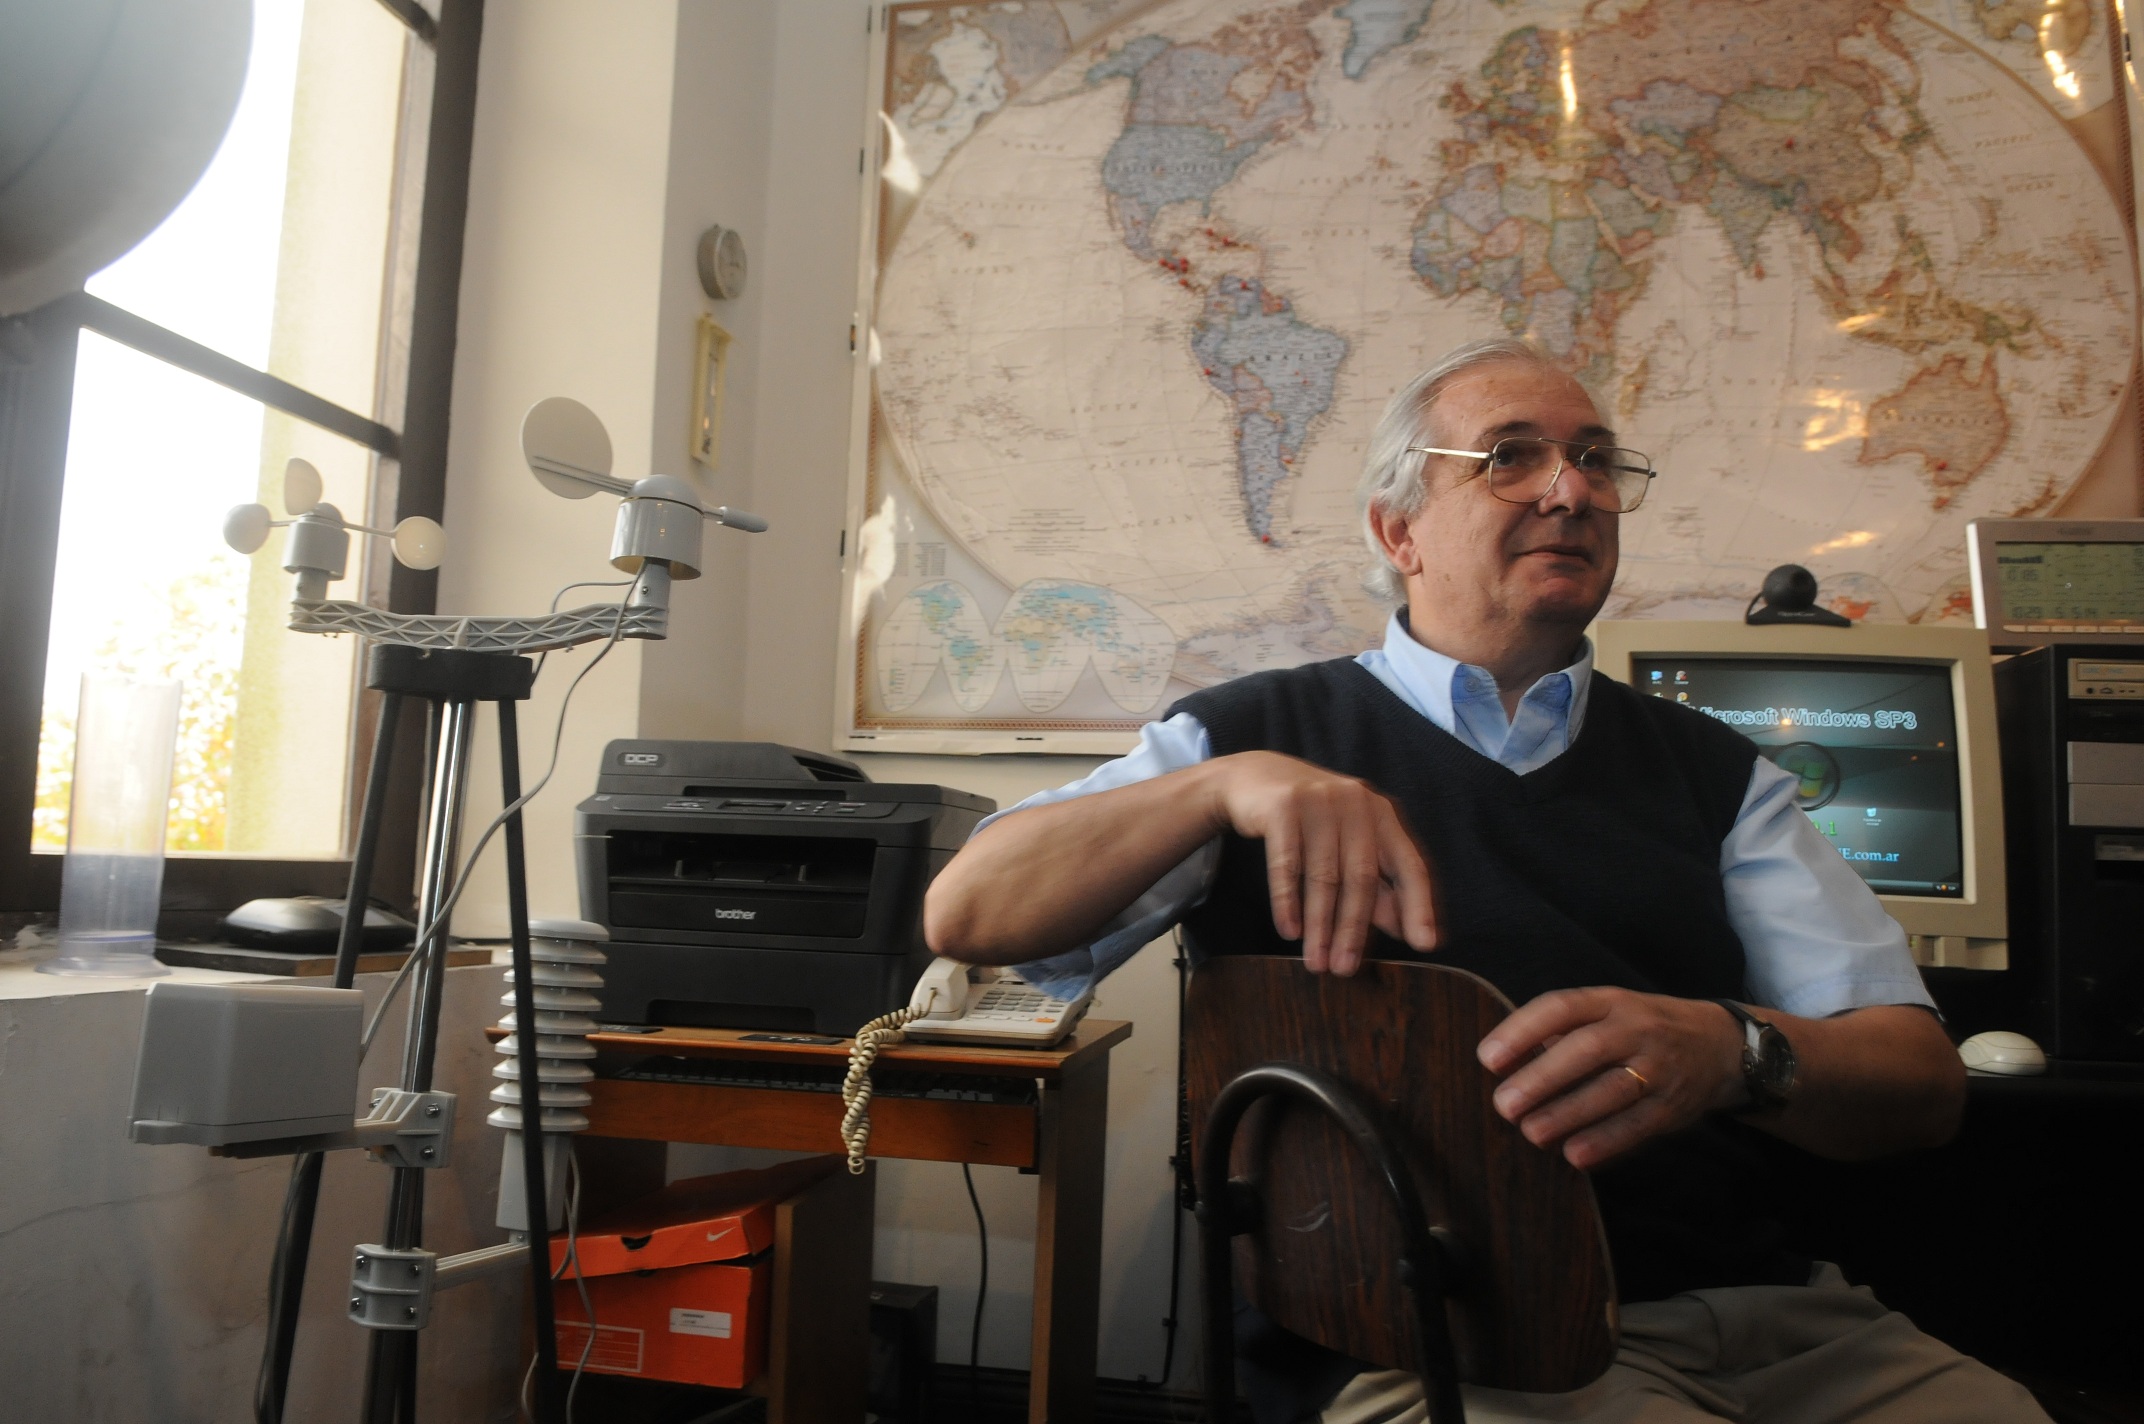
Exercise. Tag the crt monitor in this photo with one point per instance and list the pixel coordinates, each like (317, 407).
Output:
(1890, 732)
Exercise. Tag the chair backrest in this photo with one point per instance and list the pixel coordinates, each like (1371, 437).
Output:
(1534, 1303)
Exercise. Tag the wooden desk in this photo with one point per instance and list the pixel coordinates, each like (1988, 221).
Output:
(1058, 1134)
(2019, 1242)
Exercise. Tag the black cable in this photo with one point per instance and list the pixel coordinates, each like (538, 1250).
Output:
(1185, 1197)
(294, 1237)
(286, 1284)
(982, 1291)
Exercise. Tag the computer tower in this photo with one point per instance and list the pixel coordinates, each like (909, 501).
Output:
(904, 1351)
(2072, 722)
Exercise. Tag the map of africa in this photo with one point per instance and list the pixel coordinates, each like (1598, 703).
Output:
(1146, 274)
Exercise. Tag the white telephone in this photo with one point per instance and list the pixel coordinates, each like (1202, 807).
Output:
(953, 1003)
(973, 1003)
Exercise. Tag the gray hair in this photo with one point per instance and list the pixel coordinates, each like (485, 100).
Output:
(1391, 474)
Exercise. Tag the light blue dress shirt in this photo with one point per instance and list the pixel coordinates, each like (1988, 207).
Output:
(1815, 939)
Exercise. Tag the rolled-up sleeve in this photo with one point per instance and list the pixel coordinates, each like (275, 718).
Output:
(1173, 745)
(1816, 941)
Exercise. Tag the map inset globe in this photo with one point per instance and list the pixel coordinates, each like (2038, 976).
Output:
(1841, 267)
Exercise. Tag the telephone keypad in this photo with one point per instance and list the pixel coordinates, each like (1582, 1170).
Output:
(1006, 1004)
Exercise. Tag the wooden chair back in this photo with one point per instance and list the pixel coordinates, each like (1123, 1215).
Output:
(1533, 1306)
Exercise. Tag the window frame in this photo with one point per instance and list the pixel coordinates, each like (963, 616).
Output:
(415, 393)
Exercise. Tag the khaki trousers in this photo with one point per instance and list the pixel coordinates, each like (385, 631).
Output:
(1824, 1353)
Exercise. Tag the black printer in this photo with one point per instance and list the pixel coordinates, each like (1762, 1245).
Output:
(750, 885)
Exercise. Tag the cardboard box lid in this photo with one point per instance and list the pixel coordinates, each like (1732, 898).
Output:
(719, 1218)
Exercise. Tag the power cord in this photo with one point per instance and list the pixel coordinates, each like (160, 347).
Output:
(1185, 1197)
(285, 1284)
(445, 911)
(982, 1291)
(563, 590)
(580, 1278)
(571, 1259)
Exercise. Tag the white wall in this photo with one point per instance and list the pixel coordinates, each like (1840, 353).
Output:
(561, 288)
(608, 137)
(719, 166)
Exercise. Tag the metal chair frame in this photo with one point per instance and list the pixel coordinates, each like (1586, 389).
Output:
(1229, 1207)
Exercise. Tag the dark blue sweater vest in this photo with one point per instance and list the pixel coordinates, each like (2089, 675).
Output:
(1600, 868)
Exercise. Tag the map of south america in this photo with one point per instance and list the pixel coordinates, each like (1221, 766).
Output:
(1278, 374)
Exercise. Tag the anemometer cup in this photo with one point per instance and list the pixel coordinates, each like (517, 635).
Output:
(246, 527)
(319, 549)
(419, 543)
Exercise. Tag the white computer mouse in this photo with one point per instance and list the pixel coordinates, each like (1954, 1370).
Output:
(2000, 1051)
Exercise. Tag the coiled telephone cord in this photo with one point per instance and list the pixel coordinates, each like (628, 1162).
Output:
(856, 1087)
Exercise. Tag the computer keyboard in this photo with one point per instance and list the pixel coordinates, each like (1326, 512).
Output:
(814, 1078)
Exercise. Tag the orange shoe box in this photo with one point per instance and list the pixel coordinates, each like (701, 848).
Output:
(678, 1280)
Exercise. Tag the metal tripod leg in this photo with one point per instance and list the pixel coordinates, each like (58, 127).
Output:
(391, 1372)
(1228, 1207)
(287, 1286)
(452, 681)
(531, 1079)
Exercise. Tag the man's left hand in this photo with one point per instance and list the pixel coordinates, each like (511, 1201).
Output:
(1602, 1070)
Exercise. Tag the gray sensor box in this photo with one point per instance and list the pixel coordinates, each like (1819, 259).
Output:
(224, 1063)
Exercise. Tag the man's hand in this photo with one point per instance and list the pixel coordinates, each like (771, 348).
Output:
(1338, 858)
(1601, 1070)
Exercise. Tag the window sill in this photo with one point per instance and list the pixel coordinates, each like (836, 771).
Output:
(193, 884)
(19, 979)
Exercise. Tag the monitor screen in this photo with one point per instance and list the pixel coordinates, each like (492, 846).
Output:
(1874, 745)
(2099, 583)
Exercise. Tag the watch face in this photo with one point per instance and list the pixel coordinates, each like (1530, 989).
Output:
(1772, 1072)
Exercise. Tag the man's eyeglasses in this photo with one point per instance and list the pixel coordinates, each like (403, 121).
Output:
(1522, 469)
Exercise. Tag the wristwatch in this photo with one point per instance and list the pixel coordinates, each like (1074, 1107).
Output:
(1768, 1065)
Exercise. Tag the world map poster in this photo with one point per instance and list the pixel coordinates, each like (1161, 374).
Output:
(1140, 279)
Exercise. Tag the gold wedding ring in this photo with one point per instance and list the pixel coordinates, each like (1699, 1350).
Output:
(1644, 1084)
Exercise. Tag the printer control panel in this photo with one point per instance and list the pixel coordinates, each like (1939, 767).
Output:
(818, 807)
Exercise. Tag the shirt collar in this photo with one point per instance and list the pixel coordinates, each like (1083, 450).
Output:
(1430, 682)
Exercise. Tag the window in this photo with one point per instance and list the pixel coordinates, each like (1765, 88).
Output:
(287, 308)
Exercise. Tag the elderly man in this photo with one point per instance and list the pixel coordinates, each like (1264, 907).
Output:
(1693, 963)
